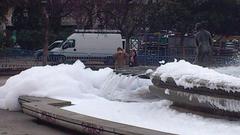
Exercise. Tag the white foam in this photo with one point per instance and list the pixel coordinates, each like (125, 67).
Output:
(188, 75)
(98, 93)
(72, 81)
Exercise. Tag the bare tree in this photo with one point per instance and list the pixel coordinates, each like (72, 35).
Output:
(85, 12)
(57, 9)
(7, 6)
(127, 16)
(46, 33)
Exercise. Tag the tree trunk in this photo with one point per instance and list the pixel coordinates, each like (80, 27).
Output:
(127, 45)
(182, 45)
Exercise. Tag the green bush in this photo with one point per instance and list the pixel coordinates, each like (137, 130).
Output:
(34, 39)
(30, 39)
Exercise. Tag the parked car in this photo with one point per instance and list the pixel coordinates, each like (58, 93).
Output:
(56, 44)
(15, 52)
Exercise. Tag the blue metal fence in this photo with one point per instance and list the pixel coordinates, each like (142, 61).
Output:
(13, 60)
(147, 57)
(155, 60)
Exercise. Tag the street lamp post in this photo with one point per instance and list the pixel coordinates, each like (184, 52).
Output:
(25, 17)
(45, 26)
(25, 13)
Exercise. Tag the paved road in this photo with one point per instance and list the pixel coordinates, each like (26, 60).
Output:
(17, 123)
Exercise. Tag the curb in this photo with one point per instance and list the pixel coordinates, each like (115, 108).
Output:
(48, 110)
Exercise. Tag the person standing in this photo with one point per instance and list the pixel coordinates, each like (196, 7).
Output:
(120, 58)
(204, 45)
(133, 58)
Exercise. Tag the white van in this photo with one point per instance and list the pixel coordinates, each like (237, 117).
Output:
(90, 43)
(93, 47)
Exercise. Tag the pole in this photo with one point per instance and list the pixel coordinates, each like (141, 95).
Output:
(45, 43)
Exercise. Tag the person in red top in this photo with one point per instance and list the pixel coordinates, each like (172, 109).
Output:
(133, 58)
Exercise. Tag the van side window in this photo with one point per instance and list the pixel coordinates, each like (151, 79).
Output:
(69, 44)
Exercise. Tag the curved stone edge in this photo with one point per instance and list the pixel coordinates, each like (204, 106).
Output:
(139, 71)
(219, 107)
(218, 93)
(48, 110)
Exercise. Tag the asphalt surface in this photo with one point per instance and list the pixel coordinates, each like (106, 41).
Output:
(17, 123)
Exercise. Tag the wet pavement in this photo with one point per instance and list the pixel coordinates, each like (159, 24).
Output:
(3, 79)
(17, 123)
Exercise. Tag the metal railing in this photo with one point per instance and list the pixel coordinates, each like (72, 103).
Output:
(153, 57)
(19, 62)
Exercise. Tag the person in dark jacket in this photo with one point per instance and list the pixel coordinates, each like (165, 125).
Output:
(133, 58)
(204, 44)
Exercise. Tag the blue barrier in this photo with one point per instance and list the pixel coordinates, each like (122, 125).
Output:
(16, 52)
(25, 59)
(153, 60)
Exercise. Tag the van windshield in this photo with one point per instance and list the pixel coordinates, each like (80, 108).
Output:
(70, 43)
(55, 45)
